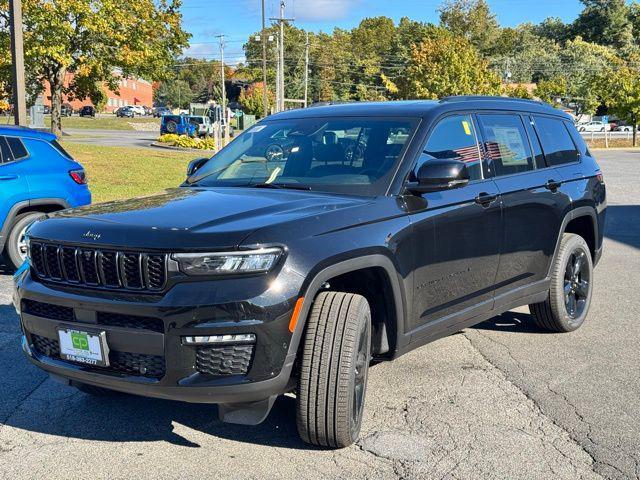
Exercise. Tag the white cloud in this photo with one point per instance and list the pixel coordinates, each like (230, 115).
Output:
(321, 10)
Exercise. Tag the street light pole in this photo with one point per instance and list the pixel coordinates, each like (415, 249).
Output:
(17, 58)
(224, 89)
(306, 72)
(265, 98)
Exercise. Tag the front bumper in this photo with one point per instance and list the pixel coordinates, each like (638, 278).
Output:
(145, 337)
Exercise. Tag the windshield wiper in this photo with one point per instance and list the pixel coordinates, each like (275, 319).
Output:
(289, 186)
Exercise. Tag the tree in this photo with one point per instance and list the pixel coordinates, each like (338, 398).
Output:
(176, 93)
(582, 64)
(553, 29)
(447, 65)
(252, 101)
(89, 38)
(471, 19)
(551, 90)
(516, 91)
(621, 89)
(605, 22)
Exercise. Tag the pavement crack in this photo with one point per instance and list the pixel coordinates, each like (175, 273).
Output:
(21, 402)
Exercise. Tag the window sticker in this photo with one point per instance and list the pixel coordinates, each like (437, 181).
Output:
(467, 128)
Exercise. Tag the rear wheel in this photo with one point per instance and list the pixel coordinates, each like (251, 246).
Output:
(15, 251)
(567, 305)
(334, 370)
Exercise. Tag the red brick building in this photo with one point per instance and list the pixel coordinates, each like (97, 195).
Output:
(133, 91)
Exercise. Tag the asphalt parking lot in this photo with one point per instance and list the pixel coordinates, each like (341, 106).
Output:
(501, 400)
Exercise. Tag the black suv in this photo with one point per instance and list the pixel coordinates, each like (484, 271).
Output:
(317, 242)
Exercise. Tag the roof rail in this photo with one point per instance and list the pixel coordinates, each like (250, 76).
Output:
(460, 98)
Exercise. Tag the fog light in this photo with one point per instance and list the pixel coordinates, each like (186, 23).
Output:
(219, 339)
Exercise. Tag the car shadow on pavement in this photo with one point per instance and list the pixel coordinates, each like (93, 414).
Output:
(623, 224)
(516, 322)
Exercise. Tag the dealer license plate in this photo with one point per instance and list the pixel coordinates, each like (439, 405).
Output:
(84, 347)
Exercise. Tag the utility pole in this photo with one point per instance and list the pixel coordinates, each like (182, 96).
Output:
(17, 58)
(224, 90)
(281, 20)
(265, 97)
(306, 71)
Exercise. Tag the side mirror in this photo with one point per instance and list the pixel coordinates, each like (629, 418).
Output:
(436, 175)
(194, 165)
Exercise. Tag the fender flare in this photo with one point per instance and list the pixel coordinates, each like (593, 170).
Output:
(13, 212)
(577, 212)
(346, 266)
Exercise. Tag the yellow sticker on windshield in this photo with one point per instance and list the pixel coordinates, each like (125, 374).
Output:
(466, 127)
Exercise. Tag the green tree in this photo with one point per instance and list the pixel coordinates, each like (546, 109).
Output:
(447, 65)
(251, 100)
(605, 22)
(553, 29)
(516, 91)
(471, 19)
(89, 38)
(551, 90)
(621, 91)
(176, 93)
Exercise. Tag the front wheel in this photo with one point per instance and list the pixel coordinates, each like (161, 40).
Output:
(567, 305)
(334, 370)
(15, 251)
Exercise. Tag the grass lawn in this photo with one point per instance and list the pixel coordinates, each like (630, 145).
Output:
(117, 172)
(110, 122)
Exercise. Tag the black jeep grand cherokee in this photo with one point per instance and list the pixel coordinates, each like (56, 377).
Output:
(316, 242)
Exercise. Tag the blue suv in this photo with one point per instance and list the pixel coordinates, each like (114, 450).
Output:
(37, 176)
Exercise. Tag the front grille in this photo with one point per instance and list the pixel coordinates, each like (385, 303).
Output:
(227, 360)
(47, 310)
(152, 366)
(99, 268)
(130, 321)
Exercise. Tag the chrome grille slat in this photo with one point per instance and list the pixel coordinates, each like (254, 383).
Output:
(97, 268)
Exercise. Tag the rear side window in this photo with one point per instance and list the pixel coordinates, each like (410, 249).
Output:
(455, 138)
(506, 144)
(17, 148)
(58, 147)
(5, 152)
(556, 142)
(577, 139)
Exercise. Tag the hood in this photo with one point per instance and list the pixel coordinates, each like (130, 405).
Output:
(186, 218)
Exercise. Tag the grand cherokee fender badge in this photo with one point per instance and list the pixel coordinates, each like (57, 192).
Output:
(91, 235)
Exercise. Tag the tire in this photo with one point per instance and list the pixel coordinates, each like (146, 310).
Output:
(334, 369)
(96, 391)
(13, 254)
(561, 311)
(171, 127)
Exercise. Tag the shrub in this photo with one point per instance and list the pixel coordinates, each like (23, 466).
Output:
(185, 141)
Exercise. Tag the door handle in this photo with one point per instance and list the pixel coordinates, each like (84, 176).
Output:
(486, 199)
(8, 177)
(552, 185)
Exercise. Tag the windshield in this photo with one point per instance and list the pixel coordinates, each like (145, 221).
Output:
(343, 155)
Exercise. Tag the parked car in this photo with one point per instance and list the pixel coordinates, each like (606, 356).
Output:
(319, 241)
(147, 110)
(37, 177)
(623, 127)
(47, 110)
(138, 109)
(177, 124)
(66, 110)
(87, 111)
(127, 112)
(203, 125)
(160, 111)
(593, 127)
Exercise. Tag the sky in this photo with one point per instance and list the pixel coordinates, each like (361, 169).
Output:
(237, 19)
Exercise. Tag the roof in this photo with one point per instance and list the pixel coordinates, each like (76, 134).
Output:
(420, 108)
(15, 131)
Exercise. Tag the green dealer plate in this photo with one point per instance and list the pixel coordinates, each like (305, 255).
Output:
(83, 347)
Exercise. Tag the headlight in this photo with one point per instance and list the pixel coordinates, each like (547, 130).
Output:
(220, 263)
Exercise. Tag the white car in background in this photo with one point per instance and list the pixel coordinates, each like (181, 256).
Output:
(593, 127)
(203, 125)
(138, 109)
